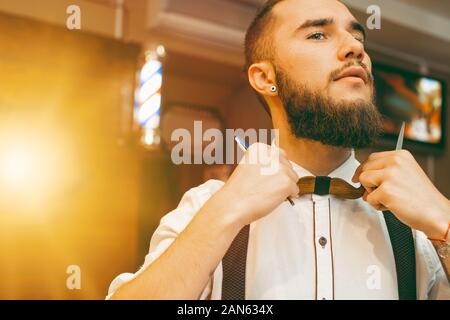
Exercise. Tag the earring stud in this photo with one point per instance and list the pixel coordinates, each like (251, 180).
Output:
(273, 89)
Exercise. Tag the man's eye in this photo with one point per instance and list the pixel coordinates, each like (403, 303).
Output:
(317, 36)
(360, 39)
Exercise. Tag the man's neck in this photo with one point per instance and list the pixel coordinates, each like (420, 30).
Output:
(317, 158)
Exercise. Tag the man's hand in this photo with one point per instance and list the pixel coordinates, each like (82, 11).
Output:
(394, 181)
(253, 191)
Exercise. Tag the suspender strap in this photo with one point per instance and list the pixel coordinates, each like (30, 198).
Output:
(402, 242)
(235, 261)
(234, 264)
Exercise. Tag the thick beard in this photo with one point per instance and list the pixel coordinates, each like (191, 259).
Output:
(314, 116)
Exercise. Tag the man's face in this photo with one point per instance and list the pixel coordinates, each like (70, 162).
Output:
(315, 42)
(323, 73)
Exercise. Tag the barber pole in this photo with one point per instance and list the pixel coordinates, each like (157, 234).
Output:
(148, 99)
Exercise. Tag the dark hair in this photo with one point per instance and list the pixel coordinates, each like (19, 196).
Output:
(258, 44)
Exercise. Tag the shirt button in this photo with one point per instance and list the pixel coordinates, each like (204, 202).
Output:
(323, 241)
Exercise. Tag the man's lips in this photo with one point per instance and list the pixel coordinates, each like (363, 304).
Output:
(355, 72)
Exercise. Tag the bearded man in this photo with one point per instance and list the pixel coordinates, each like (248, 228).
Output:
(307, 63)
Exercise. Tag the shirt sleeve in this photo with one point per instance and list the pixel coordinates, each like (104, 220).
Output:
(440, 289)
(171, 225)
(438, 285)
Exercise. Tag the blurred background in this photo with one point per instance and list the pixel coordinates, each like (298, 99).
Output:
(86, 117)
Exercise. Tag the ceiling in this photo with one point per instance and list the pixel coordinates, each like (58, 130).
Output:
(253, 3)
(439, 7)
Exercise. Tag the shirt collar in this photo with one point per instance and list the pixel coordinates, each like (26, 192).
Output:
(345, 171)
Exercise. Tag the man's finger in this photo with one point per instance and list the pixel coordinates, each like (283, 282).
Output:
(371, 178)
(292, 174)
(383, 154)
(377, 163)
(355, 177)
(374, 199)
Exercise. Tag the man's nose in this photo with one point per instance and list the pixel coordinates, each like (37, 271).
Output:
(351, 49)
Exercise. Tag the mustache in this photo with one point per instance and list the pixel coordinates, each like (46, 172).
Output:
(337, 72)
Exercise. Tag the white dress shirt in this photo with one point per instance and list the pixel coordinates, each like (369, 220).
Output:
(321, 248)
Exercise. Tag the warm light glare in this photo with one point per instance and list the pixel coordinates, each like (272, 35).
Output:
(35, 166)
(151, 138)
(17, 167)
(161, 51)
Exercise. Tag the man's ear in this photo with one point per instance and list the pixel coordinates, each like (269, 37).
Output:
(262, 78)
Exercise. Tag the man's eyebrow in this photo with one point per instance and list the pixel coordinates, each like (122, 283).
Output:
(356, 26)
(323, 22)
(315, 23)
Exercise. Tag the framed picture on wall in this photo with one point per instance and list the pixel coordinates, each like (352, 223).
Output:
(418, 100)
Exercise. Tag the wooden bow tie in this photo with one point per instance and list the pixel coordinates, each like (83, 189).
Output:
(325, 185)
